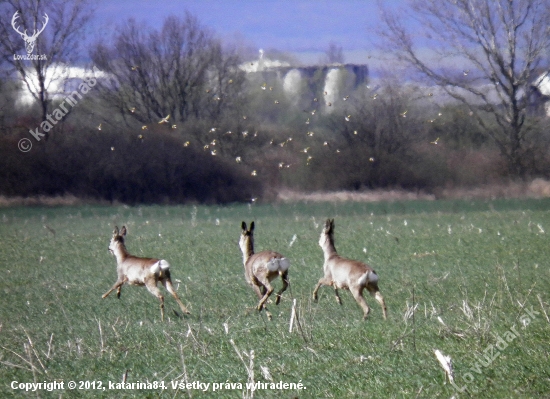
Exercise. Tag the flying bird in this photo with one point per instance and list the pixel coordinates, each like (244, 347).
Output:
(165, 119)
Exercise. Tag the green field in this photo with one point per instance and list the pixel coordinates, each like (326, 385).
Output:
(477, 267)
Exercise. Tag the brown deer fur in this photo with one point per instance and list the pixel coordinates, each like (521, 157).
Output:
(261, 268)
(141, 271)
(346, 273)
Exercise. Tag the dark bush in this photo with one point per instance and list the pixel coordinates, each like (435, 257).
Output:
(124, 167)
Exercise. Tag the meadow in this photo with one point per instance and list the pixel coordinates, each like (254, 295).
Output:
(458, 276)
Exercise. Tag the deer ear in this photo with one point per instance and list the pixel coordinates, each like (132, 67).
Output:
(251, 226)
(123, 231)
(115, 231)
(243, 226)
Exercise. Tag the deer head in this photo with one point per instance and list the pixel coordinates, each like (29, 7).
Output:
(246, 242)
(117, 239)
(29, 40)
(327, 234)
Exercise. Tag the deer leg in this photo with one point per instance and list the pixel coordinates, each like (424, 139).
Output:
(378, 296)
(153, 289)
(375, 292)
(268, 290)
(322, 281)
(356, 292)
(170, 288)
(117, 286)
(337, 295)
(261, 292)
(284, 277)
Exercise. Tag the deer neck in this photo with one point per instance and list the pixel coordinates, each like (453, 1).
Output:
(247, 251)
(329, 250)
(121, 253)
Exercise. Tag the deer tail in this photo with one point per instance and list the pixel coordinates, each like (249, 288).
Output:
(160, 267)
(278, 264)
(368, 277)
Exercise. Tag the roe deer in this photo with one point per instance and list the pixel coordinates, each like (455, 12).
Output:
(346, 273)
(141, 271)
(262, 268)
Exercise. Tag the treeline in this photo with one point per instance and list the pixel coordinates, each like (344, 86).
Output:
(123, 168)
(174, 119)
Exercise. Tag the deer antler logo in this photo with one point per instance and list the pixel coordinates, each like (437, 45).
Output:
(29, 40)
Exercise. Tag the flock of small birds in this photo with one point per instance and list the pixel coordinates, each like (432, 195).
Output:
(211, 146)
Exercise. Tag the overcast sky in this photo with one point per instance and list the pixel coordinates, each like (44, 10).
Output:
(301, 27)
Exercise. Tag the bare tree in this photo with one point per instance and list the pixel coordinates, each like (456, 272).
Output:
(57, 29)
(484, 53)
(181, 71)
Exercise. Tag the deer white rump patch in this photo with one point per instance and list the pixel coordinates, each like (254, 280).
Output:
(159, 266)
(278, 264)
(369, 276)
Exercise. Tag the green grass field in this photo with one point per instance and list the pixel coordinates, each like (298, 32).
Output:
(477, 267)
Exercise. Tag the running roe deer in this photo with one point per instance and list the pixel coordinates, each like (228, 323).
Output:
(141, 271)
(262, 268)
(346, 273)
